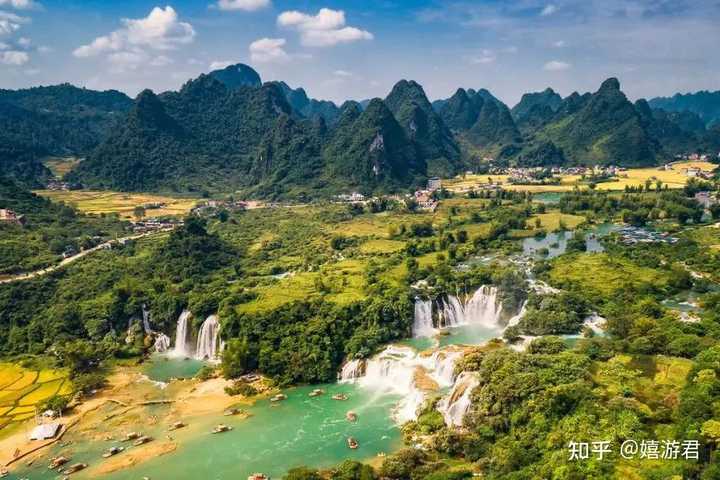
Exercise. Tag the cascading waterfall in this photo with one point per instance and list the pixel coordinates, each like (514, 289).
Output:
(516, 318)
(181, 335)
(482, 309)
(352, 370)
(455, 405)
(146, 319)
(423, 321)
(397, 370)
(207, 344)
(162, 343)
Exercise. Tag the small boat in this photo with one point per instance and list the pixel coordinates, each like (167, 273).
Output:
(316, 393)
(58, 462)
(340, 396)
(74, 468)
(258, 476)
(279, 397)
(221, 428)
(351, 416)
(4, 472)
(132, 436)
(233, 411)
(142, 441)
(176, 426)
(112, 451)
(352, 443)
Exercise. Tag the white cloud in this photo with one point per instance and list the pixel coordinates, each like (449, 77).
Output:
(266, 50)
(559, 44)
(161, 61)
(160, 30)
(325, 29)
(11, 23)
(220, 64)
(246, 5)
(14, 57)
(486, 57)
(556, 66)
(19, 4)
(4, 46)
(548, 10)
(342, 73)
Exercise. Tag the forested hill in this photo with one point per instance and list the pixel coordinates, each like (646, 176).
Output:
(57, 120)
(227, 131)
(705, 104)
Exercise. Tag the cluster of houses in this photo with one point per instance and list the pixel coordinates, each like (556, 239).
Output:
(155, 225)
(424, 198)
(630, 235)
(9, 216)
(209, 207)
(58, 185)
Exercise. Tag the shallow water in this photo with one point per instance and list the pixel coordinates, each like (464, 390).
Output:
(298, 431)
(556, 242)
(161, 368)
(468, 335)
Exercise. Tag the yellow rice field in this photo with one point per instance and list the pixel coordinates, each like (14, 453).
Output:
(97, 202)
(676, 177)
(22, 390)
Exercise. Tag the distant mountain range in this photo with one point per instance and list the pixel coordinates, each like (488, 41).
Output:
(705, 104)
(227, 131)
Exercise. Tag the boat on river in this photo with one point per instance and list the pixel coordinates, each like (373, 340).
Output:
(278, 398)
(132, 436)
(176, 426)
(112, 451)
(233, 411)
(142, 441)
(351, 416)
(316, 393)
(258, 476)
(340, 396)
(221, 428)
(56, 462)
(74, 468)
(352, 443)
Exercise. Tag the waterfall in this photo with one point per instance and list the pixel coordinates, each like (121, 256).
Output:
(207, 344)
(455, 405)
(162, 343)
(423, 321)
(181, 335)
(596, 323)
(401, 371)
(146, 319)
(352, 370)
(482, 309)
(516, 319)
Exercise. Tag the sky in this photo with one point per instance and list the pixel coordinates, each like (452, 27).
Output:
(357, 49)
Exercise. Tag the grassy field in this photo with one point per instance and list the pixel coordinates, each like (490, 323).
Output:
(21, 390)
(59, 166)
(97, 202)
(674, 178)
(602, 274)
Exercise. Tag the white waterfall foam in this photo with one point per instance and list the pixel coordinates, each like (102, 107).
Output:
(146, 319)
(162, 343)
(181, 335)
(596, 323)
(207, 344)
(516, 319)
(455, 405)
(352, 370)
(398, 370)
(483, 308)
(423, 321)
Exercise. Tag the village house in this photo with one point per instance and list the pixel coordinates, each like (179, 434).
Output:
(9, 216)
(434, 183)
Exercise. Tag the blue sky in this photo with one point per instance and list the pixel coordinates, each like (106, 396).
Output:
(359, 49)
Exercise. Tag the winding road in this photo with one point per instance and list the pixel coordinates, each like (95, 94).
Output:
(67, 261)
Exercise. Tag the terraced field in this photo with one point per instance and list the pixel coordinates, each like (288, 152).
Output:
(21, 390)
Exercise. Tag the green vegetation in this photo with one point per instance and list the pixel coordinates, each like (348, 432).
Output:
(48, 231)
